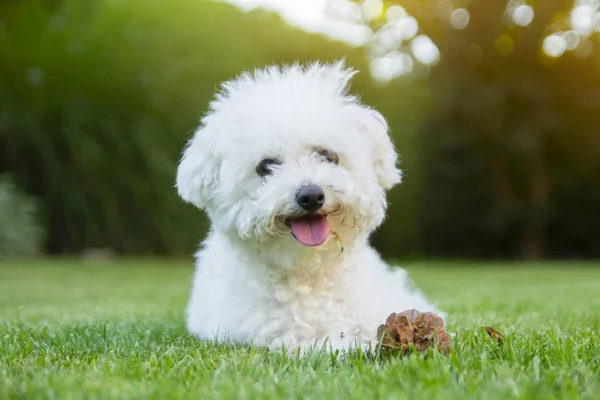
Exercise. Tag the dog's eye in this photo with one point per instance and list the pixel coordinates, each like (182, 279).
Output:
(265, 167)
(329, 156)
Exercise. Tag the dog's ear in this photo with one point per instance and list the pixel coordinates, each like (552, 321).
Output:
(384, 154)
(198, 170)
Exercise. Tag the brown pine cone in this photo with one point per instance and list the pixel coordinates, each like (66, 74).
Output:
(421, 329)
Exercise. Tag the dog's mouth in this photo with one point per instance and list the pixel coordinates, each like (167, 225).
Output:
(310, 230)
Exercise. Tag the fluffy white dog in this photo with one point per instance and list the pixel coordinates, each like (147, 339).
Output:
(292, 172)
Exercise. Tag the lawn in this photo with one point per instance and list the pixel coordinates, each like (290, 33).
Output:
(70, 330)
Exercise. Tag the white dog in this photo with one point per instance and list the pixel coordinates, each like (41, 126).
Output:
(292, 172)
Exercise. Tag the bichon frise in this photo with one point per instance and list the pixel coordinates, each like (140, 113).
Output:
(292, 172)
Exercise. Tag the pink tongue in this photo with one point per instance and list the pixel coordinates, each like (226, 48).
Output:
(310, 231)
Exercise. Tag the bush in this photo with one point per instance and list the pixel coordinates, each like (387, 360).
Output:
(20, 232)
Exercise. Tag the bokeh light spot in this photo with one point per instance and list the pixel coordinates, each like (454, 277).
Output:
(408, 27)
(395, 12)
(582, 19)
(35, 76)
(554, 45)
(504, 45)
(572, 39)
(460, 18)
(372, 9)
(523, 15)
(424, 50)
(389, 37)
(391, 66)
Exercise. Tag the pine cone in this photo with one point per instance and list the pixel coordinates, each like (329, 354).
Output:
(411, 327)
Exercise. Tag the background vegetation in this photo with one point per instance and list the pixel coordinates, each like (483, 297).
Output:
(499, 142)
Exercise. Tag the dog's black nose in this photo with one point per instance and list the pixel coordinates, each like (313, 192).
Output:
(311, 197)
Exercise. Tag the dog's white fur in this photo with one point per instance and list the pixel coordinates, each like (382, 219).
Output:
(254, 282)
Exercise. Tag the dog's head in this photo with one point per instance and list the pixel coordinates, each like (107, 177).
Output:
(286, 153)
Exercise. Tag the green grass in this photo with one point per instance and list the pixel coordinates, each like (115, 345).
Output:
(76, 331)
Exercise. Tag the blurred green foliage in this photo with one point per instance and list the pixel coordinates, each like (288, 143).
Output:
(500, 149)
(21, 234)
(509, 159)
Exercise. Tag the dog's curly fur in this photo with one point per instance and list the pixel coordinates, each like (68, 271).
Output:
(254, 281)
